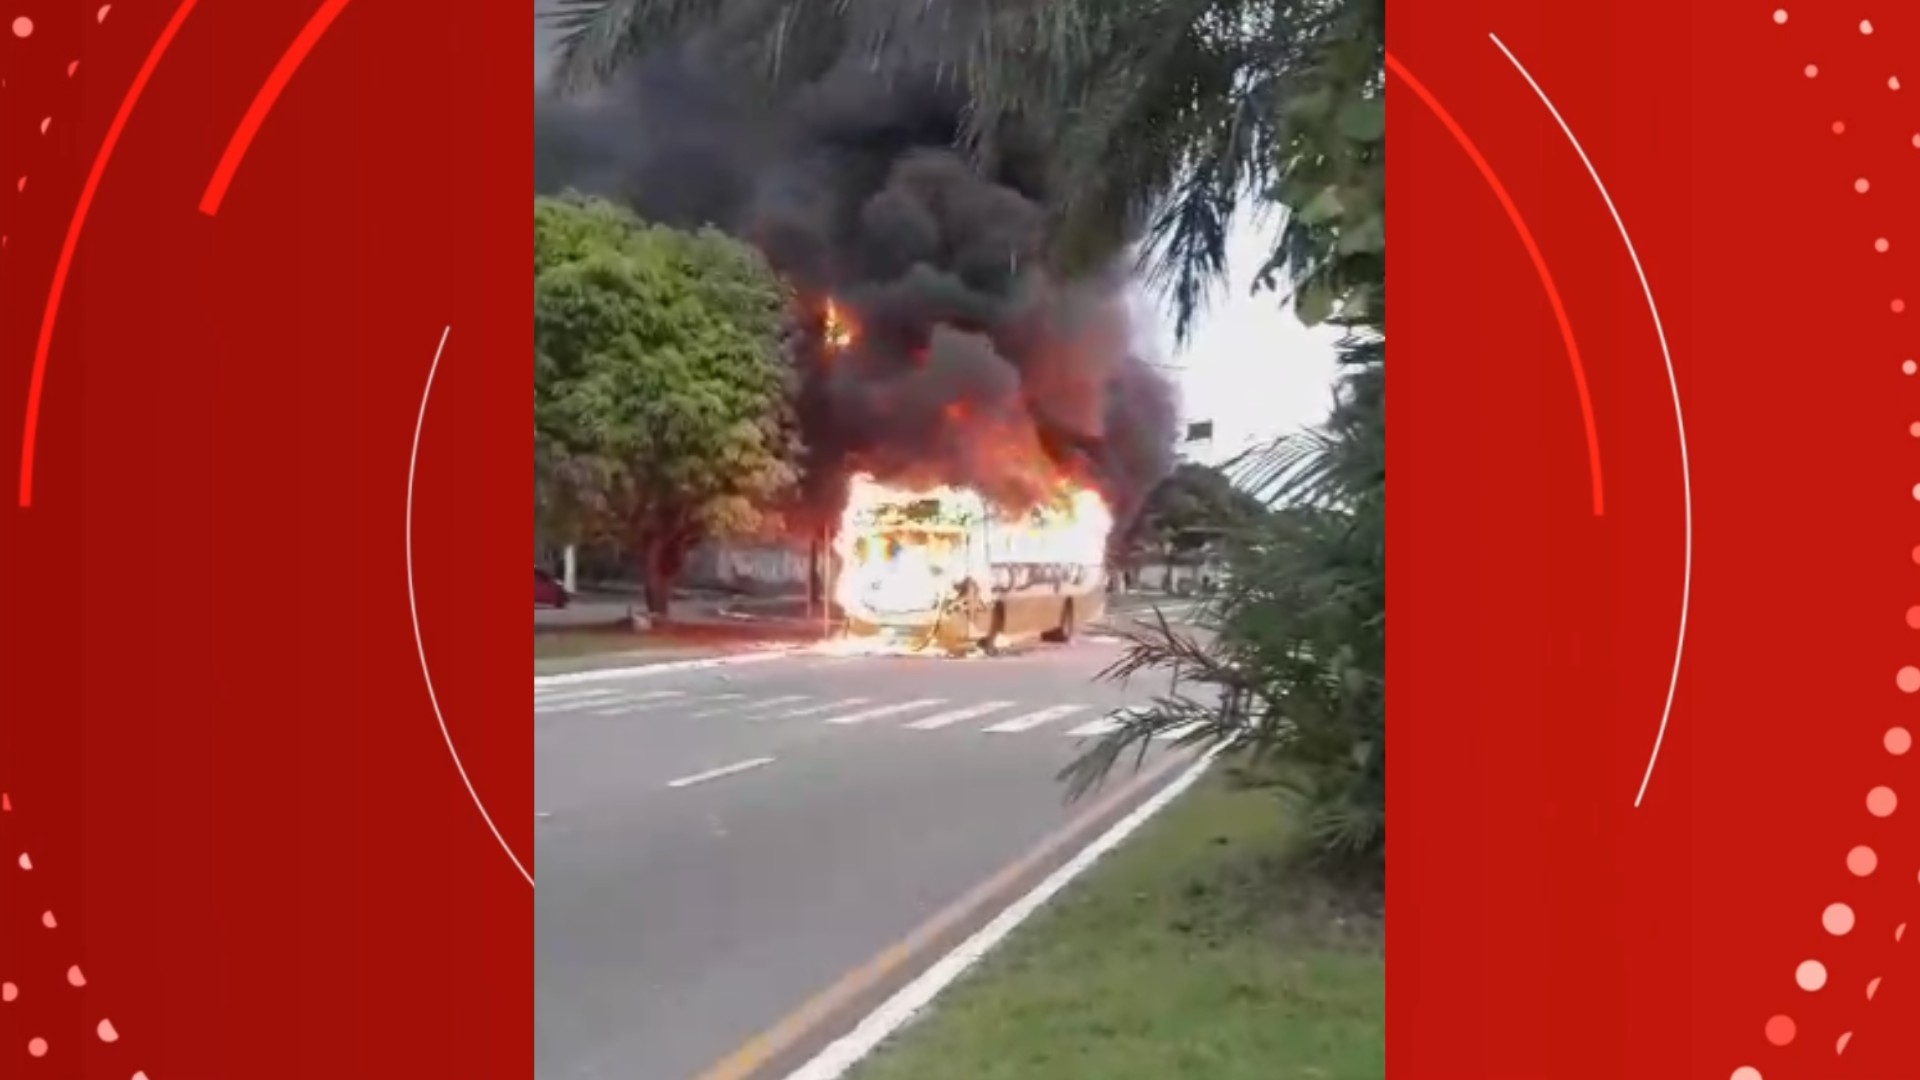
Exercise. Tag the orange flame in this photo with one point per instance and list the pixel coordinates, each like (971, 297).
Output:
(839, 331)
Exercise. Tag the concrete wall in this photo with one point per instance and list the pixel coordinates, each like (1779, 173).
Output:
(749, 567)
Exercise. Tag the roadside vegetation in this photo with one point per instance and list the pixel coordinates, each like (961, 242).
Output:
(660, 406)
(1193, 950)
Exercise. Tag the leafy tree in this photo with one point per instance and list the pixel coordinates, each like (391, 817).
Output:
(661, 401)
(1194, 505)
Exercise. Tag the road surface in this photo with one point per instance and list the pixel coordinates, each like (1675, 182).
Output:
(717, 846)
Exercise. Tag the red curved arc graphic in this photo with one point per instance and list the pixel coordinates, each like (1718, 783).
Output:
(1539, 266)
(263, 102)
(31, 428)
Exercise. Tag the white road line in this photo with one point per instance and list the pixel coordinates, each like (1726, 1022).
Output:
(1180, 731)
(724, 770)
(886, 710)
(1108, 723)
(742, 708)
(650, 670)
(955, 716)
(641, 701)
(544, 696)
(1033, 719)
(816, 710)
(544, 705)
(844, 1053)
(631, 708)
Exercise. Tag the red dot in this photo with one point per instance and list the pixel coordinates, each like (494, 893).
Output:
(1839, 127)
(1913, 617)
(1780, 1030)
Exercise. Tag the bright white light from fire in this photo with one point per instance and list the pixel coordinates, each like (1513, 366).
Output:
(903, 552)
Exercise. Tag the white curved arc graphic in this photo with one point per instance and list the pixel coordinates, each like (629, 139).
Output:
(1686, 472)
(413, 609)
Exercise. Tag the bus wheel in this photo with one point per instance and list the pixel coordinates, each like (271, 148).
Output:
(996, 631)
(1064, 632)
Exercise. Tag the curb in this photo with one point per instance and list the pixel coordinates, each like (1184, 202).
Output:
(844, 1053)
(664, 668)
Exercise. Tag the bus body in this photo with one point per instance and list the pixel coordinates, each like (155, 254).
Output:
(940, 570)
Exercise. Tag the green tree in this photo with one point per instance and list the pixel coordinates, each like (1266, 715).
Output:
(1195, 505)
(661, 398)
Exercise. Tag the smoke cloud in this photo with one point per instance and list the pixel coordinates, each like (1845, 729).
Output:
(973, 362)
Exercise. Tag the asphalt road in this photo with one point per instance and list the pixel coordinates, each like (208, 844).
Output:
(679, 916)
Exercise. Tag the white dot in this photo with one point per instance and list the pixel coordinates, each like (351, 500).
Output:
(1861, 185)
(1866, 27)
(1893, 82)
(23, 27)
(1811, 975)
(1813, 70)
(1837, 919)
(1747, 1072)
(1780, 16)
(1907, 367)
(1881, 245)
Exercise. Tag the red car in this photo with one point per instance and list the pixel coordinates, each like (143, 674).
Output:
(547, 592)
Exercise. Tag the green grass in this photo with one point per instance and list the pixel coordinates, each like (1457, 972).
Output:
(1193, 951)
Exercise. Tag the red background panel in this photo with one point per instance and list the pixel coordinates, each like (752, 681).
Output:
(216, 741)
(1546, 927)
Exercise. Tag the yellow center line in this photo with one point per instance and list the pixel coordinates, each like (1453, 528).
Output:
(823, 1006)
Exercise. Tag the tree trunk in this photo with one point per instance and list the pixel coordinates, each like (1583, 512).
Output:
(656, 575)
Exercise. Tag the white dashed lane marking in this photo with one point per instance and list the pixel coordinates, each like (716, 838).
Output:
(715, 774)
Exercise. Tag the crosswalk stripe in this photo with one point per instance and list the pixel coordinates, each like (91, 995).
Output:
(843, 703)
(1033, 719)
(1108, 723)
(732, 705)
(1173, 733)
(886, 710)
(640, 701)
(559, 693)
(563, 702)
(955, 716)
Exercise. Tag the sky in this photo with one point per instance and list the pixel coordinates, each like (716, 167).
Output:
(1251, 368)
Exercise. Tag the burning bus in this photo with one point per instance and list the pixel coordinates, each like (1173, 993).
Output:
(943, 568)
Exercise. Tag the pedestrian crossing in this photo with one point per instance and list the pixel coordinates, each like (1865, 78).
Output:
(998, 717)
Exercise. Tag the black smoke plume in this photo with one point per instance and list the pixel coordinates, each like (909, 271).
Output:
(973, 363)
